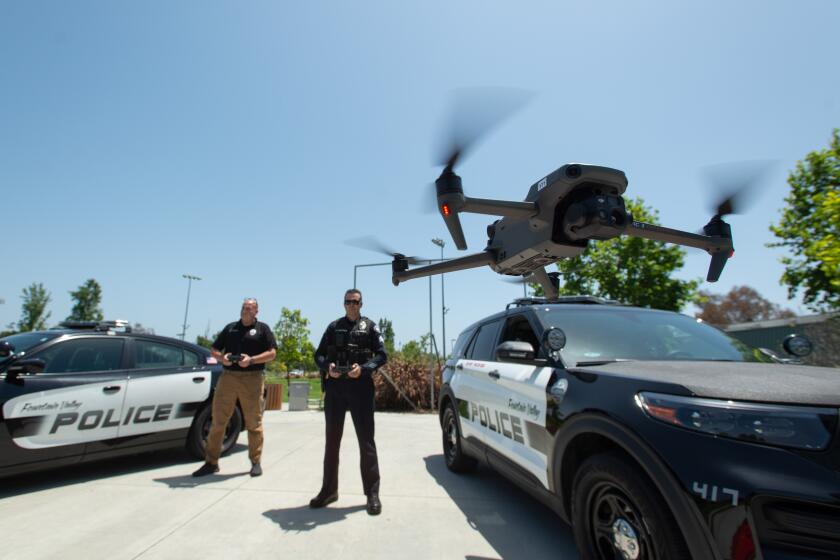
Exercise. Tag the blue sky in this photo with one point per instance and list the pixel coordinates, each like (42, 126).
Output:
(244, 142)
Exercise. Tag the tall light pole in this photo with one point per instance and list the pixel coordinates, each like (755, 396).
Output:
(189, 278)
(440, 243)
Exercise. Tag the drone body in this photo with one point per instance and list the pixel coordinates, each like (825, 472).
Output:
(560, 215)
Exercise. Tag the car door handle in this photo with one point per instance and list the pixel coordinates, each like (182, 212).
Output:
(198, 379)
(494, 374)
(459, 366)
(111, 389)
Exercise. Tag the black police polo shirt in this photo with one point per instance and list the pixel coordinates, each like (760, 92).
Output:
(236, 338)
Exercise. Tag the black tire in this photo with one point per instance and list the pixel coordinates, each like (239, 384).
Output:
(614, 501)
(456, 460)
(197, 437)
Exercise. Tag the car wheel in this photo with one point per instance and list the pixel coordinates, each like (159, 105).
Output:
(200, 429)
(456, 460)
(618, 514)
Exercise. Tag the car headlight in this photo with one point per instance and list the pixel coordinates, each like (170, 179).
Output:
(786, 426)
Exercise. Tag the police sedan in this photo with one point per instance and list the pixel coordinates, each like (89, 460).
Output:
(88, 391)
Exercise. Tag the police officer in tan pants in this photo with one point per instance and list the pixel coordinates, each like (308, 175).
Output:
(243, 347)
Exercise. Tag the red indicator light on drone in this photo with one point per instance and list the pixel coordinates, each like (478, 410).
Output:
(445, 209)
(731, 253)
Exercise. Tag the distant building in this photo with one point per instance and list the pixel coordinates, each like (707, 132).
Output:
(823, 330)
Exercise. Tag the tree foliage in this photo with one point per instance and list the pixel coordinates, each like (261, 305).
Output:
(34, 315)
(386, 328)
(810, 228)
(293, 346)
(205, 341)
(87, 299)
(415, 351)
(632, 270)
(741, 305)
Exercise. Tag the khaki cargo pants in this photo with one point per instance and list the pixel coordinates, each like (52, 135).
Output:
(246, 387)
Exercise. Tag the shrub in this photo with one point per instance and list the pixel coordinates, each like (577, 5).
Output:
(412, 377)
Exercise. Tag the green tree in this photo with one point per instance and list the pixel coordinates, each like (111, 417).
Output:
(88, 297)
(632, 270)
(416, 350)
(293, 346)
(386, 328)
(810, 228)
(33, 316)
(205, 342)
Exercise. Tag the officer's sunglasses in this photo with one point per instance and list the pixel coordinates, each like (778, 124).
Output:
(352, 302)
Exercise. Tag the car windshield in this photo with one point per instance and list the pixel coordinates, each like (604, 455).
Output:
(24, 341)
(603, 334)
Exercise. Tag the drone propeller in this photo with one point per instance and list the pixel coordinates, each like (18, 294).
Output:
(474, 112)
(370, 243)
(735, 183)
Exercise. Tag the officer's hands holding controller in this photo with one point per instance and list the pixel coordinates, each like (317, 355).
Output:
(243, 360)
(354, 373)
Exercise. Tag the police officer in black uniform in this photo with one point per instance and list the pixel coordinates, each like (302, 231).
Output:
(350, 351)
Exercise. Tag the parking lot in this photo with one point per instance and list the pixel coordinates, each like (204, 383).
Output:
(150, 507)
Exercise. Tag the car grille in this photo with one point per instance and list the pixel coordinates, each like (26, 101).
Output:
(796, 527)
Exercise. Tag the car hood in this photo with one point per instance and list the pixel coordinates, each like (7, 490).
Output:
(748, 381)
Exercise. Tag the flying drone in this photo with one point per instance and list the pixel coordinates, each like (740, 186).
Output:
(562, 212)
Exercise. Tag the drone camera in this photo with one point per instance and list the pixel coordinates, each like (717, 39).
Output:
(594, 213)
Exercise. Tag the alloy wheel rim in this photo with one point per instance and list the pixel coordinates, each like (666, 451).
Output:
(617, 529)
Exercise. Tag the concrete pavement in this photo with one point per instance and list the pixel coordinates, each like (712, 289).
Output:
(149, 507)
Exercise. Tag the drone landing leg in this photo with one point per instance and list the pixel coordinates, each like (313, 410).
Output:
(541, 276)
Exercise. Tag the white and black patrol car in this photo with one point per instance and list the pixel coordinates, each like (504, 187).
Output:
(655, 436)
(87, 391)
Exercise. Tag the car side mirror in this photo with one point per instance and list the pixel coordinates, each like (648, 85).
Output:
(798, 345)
(6, 349)
(27, 366)
(515, 351)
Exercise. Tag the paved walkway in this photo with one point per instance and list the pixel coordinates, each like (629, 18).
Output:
(148, 507)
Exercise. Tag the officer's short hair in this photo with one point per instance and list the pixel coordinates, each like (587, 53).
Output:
(353, 291)
(247, 299)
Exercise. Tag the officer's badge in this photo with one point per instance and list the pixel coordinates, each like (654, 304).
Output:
(362, 325)
(252, 332)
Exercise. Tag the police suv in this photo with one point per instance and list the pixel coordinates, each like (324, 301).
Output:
(654, 435)
(86, 391)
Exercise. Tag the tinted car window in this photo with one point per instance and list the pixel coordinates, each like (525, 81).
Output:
(461, 344)
(24, 341)
(485, 342)
(610, 333)
(191, 358)
(82, 354)
(149, 354)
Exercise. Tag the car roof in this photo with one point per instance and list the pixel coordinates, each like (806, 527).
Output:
(540, 305)
(92, 332)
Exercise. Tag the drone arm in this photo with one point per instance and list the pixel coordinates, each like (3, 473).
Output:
(668, 235)
(718, 245)
(462, 263)
(499, 207)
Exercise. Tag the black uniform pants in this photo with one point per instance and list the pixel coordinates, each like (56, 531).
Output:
(357, 396)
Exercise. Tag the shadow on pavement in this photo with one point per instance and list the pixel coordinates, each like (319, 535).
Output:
(304, 518)
(511, 521)
(102, 470)
(189, 481)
